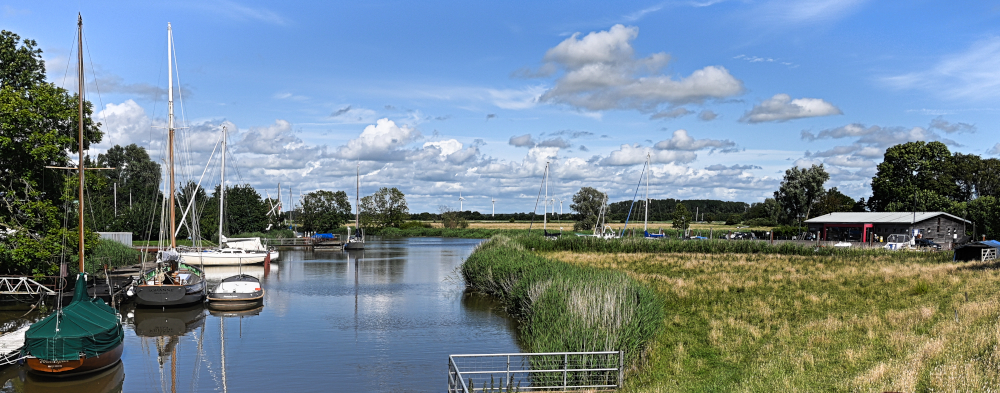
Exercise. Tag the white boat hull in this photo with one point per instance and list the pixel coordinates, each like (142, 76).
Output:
(211, 258)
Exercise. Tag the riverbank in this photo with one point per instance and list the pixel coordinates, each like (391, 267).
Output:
(851, 322)
(563, 307)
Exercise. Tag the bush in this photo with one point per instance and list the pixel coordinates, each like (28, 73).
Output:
(414, 224)
(761, 222)
(454, 220)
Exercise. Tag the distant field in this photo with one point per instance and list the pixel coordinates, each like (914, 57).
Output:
(903, 322)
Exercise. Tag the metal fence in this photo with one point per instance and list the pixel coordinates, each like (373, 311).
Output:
(121, 237)
(528, 372)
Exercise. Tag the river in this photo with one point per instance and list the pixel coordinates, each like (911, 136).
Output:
(380, 320)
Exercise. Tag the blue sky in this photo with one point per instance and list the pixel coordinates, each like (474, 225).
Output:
(438, 98)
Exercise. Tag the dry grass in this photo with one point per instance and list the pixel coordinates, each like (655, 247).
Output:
(746, 322)
(566, 225)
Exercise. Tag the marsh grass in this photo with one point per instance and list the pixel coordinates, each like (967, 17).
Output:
(105, 252)
(566, 308)
(789, 320)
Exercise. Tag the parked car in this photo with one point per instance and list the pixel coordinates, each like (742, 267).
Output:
(922, 243)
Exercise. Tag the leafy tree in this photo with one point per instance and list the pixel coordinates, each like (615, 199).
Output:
(800, 190)
(587, 204)
(38, 127)
(681, 217)
(985, 212)
(324, 211)
(244, 212)
(138, 183)
(204, 227)
(385, 208)
(452, 219)
(895, 180)
(833, 201)
(988, 183)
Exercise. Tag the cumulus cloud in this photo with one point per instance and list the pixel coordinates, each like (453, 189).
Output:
(973, 74)
(522, 141)
(707, 115)
(601, 72)
(382, 141)
(782, 108)
(720, 167)
(636, 154)
(555, 142)
(680, 140)
(850, 130)
(124, 124)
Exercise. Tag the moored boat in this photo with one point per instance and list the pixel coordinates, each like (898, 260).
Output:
(85, 335)
(171, 283)
(239, 292)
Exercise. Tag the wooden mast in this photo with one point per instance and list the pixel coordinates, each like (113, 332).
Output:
(170, 132)
(79, 34)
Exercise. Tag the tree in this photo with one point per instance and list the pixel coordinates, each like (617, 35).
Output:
(587, 204)
(324, 211)
(245, 211)
(385, 208)
(985, 212)
(988, 183)
(682, 217)
(833, 201)
(38, 128)
(136, 178)
(800, 190)
(895, 180)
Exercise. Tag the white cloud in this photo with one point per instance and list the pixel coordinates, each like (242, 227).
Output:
(447, 147)
(522, 141)
(850, 130)
(382, 141)
(123, 124)
(951, 128)
(995, 150)
(782, 107)
(707, 115)
(973, 74)
(680, 140)
(601, 73)
(671, 114)
(636, 154)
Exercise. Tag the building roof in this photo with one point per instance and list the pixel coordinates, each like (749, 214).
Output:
(878, 217)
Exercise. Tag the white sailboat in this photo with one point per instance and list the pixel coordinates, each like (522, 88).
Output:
(231, 251)
(356, 241)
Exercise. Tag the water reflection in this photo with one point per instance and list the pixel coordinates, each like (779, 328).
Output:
(20, 380)
(381, 319)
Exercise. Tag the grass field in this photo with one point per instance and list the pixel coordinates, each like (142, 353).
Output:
(567, 225)
(904, 322)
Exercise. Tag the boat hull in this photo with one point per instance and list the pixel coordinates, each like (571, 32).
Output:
(354, 246)
(218, 259)
(169, 295)
(80, 366)
(235, 303)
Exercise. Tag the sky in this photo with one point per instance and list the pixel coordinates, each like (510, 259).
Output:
(442, 99)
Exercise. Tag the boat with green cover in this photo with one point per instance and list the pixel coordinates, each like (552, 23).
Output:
(84, 336)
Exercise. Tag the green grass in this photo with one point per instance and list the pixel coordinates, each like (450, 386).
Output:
(768, 322)
(106, 252)
(562, 307)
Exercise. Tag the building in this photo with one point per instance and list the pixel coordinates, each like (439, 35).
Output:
(939, 227)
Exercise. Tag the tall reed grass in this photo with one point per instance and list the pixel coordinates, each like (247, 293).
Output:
(562, 307)
(106, 252)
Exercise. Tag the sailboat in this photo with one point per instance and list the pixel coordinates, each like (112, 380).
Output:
(357, 240)
(237, 292)
(545, 205)
(231, 251)
(645, 223)
(172, 282)
(86, 335)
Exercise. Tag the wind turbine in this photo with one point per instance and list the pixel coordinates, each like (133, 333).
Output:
(460, 200)
(560, 206)
(494, 200)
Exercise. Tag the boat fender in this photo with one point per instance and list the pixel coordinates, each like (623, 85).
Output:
(130, 292)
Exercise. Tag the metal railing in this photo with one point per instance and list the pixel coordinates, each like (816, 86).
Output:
(19, 285)
(527, 372)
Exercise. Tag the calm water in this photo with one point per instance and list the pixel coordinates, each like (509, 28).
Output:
(383, 319)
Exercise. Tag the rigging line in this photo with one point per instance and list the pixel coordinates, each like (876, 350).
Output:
(534, 212)
(194, 192)
(633, 199)
(66, 74)
(96, 86)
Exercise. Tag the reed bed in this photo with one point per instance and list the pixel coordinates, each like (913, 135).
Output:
(563, 307)
(106, 253)
(798, 321)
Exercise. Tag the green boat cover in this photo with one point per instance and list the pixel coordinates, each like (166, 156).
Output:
(86, 326)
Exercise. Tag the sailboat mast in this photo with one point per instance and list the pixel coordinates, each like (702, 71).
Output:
(357, 200)
(170, 131)
(545, 205)
(79, 34)
(645, 224)
(222, 185)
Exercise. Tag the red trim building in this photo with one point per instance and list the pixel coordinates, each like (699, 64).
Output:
(940, 227)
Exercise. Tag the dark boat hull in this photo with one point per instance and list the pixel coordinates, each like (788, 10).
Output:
(169, 295)
(80, 366)
(354, 246)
